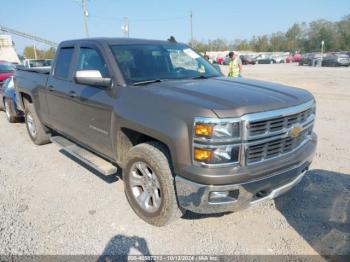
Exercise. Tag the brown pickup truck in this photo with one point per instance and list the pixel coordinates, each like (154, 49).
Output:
(185, 136)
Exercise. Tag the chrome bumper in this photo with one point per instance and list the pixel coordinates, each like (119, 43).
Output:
(198, 197)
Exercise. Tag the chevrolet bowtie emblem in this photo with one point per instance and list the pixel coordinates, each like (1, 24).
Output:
(295, 131)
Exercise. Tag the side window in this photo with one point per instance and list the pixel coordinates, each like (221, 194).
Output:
(63, 62)
(90, 59)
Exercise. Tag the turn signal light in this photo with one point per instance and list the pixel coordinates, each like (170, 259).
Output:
(203, 130)
(202, 154)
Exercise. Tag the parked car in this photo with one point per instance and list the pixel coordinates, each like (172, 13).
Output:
(248, 60)
(186, 137)
(6, 70)
(306, 59)
(336, 59)
(293, 58)
(310, 59)
(263, 59)
(220, 60)
(279, 59)
(8, 101)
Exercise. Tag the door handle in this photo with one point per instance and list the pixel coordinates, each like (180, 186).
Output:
(51, 88)
(72, 94)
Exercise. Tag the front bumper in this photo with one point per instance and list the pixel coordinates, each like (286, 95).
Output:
(217, 198)
(197, 197)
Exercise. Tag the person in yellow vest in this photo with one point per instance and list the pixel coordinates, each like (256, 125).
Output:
(235, 65)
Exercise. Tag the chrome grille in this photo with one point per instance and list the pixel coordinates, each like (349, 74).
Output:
(271, 134)
(276, 147)
(257, 128)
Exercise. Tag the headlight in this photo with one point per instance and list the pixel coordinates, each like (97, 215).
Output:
(216, 141)
(217, 129)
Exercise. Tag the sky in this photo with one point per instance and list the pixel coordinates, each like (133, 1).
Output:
(58, 20)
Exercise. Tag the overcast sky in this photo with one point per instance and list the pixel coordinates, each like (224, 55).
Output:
(158, 19)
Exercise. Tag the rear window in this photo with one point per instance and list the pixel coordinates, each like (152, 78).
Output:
(63, 62)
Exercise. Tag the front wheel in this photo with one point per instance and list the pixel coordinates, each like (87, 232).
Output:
(149, 184)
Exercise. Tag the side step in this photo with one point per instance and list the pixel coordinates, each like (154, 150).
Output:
(92, 160)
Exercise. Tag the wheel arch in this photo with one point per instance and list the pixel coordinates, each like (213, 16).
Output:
(128, 138)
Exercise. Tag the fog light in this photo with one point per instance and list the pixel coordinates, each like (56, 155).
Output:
(218, 194)
(202, 154)
(222, 197)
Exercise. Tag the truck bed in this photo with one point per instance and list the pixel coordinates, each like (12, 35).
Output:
(29, 80)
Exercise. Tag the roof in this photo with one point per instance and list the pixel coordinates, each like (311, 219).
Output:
(116, 41)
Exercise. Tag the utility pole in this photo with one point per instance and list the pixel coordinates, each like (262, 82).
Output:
(126, 27)
(85, 16)
(35, 54)
(191, 16)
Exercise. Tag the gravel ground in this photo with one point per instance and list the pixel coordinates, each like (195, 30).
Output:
(49, 204)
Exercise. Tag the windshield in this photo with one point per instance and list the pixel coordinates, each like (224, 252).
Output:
(140, 63)
(6, 68)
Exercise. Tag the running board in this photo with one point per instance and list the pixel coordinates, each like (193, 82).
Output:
(103, 166)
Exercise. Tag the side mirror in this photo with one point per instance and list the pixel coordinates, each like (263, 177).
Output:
(92, 78)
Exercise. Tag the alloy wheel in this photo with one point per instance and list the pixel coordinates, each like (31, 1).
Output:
(145, 187)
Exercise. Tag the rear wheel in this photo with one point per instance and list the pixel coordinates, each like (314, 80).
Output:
(38, 133)
(149, 184)
(9, 110)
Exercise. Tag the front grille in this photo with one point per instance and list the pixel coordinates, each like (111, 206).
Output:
(264, 127)
(275, 147)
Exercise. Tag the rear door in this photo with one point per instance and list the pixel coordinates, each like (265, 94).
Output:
(59, 95)
(94, 104)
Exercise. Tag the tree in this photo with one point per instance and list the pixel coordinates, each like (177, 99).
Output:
(241, 45)
(278, 41)
(343, 28)
(29, 53)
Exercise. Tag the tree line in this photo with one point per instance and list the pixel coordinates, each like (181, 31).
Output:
(300, 37)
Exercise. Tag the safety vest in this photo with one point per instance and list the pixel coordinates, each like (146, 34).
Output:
(233, 68)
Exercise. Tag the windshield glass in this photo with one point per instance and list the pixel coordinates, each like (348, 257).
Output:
(149, 62)
(6, 68)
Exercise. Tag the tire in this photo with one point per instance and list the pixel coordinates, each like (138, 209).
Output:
(9, 110)
(38, 133)
(161, 206)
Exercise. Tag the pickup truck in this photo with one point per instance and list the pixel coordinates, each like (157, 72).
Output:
(185, 137)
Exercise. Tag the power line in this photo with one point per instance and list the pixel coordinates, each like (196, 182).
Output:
(139, 19)
(28, 36)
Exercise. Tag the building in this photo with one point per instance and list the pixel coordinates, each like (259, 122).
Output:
(7, 50)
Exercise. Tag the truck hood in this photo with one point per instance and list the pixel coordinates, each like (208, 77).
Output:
(229, 97)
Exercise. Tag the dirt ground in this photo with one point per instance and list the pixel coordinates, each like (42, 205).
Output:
(49, 204)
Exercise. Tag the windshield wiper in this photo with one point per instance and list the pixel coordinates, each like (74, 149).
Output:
(202, 77)
(147, 82)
